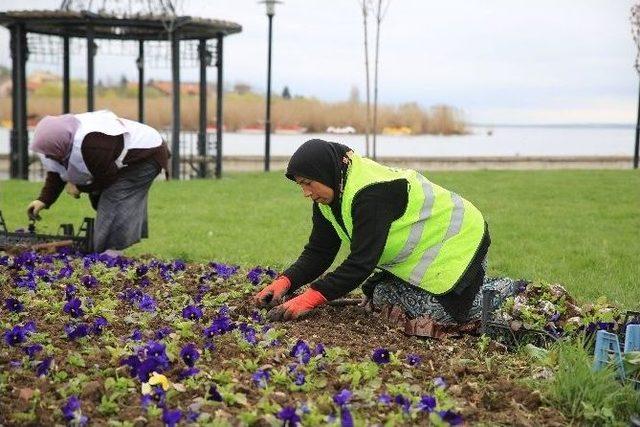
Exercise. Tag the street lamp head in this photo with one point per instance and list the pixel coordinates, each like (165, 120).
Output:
(271, 6)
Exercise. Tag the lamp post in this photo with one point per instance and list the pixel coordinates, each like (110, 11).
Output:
(271, 10)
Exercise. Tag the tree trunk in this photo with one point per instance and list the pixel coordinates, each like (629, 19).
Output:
(367, 126)
(379, 15)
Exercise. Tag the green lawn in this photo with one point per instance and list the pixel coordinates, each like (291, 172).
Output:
(578, 228)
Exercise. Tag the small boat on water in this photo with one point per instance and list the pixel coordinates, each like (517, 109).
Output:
(396, 130)
(341, 130)
(290, 130)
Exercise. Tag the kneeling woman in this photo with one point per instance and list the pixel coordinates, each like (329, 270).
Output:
(426, 244)
(113, 159)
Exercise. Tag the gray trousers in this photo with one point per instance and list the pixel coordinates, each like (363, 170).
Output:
(121, 219)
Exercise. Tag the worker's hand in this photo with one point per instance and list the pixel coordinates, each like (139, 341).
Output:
(273, 293)
(73, 191)
(34, 208)
(297, 307)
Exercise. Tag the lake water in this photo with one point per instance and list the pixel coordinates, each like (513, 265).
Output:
(549, 141)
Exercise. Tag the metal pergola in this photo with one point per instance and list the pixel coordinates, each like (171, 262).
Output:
(142, 28)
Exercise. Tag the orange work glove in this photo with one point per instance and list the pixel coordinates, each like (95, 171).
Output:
(273, 293)
(297, 307)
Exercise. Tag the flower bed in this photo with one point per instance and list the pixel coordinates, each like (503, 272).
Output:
(91, 340)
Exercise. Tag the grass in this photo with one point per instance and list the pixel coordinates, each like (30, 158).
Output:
(578, 228)
(588, 397)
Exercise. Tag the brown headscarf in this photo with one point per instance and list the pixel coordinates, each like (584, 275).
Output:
(53, 136)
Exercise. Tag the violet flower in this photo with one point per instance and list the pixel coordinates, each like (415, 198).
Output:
(427, 403)
(439, 382)
(32, 350)
(147, 303)
(189, 354)
(171, 417)
(288, 416)
(42, 368)
(192, 312)
(453, 418)
(69, 292)
(163, 332)
(98, 325)
(254, 275)
(385, 399)
(73, 308)
(188, 372)
(141, 270)
(260, 377)
(381, 356)
(15, 335)
(72, 413)
(89, 281)
(413, 359)
(214, 394)
(403, 401)
(300, 379)
(346, 420)
(14, 305)
(136, 335)
(301, 351)
(75, 331)
(342, 398)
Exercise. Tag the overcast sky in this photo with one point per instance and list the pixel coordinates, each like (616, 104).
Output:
(501, 61)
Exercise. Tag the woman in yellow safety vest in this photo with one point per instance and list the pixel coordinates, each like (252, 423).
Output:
(419, 249)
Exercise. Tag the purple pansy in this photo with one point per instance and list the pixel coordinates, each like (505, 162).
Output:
(260, 377)
(178, 265)
(346, 420)
(189, 354)
(42, 368)
(147, 303)
(224, 271)
(451, 417)
(256, 316)
(342, 398)
(288, 416)
(141, 270)
(89, 281)
(136, 335)
(301, 351)
(75, 331)
(188, 372)
(385, 399)
(15, 335)
(72, 413)
(171, 417)
(254, 275)
(98, 325)
(69, 292)
(439, 382)
(32, 350)
(163, 332)
(13, 304)
(300, 379)
(403, 401)
(413, 359)
(381, 356)
(192, 312)
(73, 307)
(214, 394)
(427, 403)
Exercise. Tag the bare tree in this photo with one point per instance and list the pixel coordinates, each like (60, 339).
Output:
(381, 11)
(365, 6)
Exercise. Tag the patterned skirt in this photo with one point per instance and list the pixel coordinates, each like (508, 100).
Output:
(420, 313)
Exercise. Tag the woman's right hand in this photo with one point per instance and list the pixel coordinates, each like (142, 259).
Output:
(273, 293)
(34, 208)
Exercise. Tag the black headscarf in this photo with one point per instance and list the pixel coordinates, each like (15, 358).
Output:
(320, 161)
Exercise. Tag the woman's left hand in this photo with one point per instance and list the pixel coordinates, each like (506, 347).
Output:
(73, 191)
(297, 307)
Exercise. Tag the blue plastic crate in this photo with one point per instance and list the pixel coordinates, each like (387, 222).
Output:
(608, 350)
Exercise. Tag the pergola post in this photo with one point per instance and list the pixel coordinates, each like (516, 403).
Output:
(91, 51)
(140, 65)
(205, 59)
(66, 89)
(19, 163)
(219, 89)
(175, 131)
